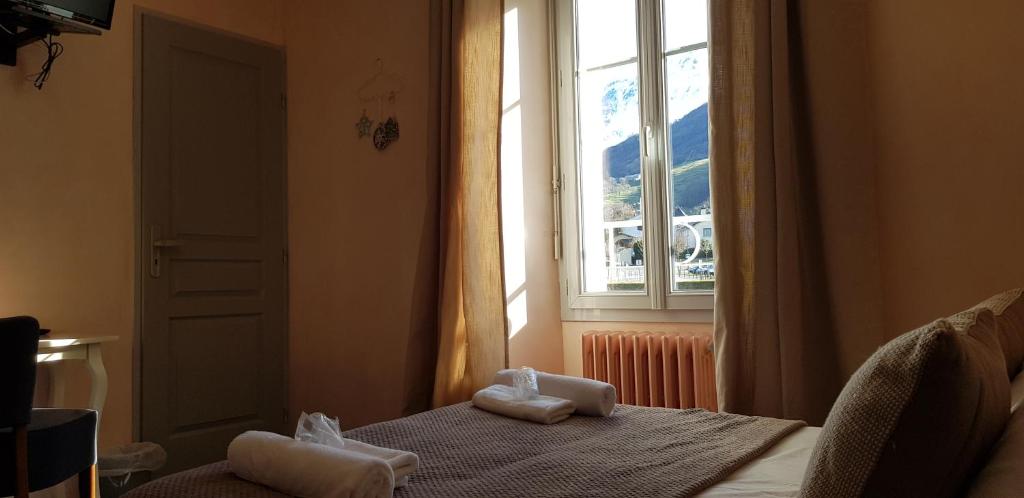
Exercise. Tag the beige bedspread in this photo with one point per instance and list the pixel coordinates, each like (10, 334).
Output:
(466, 452)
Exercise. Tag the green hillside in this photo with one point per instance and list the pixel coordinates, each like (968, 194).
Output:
(690, 188)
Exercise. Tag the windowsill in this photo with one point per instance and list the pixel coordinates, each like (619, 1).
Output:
(679, 308)
(637, 315)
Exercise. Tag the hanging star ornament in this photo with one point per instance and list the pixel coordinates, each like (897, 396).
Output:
(364, 125)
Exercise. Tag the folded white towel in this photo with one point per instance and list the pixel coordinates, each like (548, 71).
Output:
(542, 409)
(307, 469)
(402, 463)
(592, 397)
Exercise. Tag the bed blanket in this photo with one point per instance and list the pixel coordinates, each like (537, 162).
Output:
(467, 452)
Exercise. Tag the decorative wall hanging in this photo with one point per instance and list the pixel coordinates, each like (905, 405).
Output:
(383, 89)
(386, 134)
(364, 125)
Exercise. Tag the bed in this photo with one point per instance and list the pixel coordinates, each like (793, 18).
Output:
(636, 451)
(931, 413)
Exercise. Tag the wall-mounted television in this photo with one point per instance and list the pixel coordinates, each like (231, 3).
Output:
(97, 13)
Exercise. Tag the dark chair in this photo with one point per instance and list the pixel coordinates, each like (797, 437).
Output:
(39, 448)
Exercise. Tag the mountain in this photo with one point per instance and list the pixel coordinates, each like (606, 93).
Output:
(689, 136)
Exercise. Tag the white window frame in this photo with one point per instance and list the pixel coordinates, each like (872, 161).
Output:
(659, 302)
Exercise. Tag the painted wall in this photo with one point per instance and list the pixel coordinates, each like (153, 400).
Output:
(362, 223)
(66, 198)
(949, 115)
(531, 272)
(945, 148)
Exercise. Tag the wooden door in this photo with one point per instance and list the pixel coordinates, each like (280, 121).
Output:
(213, 339)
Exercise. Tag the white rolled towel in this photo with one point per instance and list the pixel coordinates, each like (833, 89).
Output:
(542, 409)
(592, 397)
(307, 469)
(402, 463)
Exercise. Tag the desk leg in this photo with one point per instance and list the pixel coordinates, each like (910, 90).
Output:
(98, 375)
(56, 370)
(56, 400)
(98, 393)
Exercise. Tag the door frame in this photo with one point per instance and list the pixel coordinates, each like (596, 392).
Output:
(140, 267)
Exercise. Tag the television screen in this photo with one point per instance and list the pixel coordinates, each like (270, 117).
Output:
(95, 12)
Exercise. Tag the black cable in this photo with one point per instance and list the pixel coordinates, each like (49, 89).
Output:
(53, 51)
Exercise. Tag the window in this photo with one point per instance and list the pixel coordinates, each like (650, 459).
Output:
(632, 90)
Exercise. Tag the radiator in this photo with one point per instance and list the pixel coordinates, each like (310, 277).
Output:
(653, 369)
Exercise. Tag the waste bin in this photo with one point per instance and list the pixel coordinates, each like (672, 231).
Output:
(125, 467)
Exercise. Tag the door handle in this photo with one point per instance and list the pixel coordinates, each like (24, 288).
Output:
(156, 244)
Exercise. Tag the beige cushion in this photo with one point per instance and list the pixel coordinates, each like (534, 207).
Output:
(1003, 475)
(919, 416)
(1017, 392)
(1009, 310)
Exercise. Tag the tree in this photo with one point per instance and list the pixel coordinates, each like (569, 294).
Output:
(618, 211)
(706, 251)
(682, 242)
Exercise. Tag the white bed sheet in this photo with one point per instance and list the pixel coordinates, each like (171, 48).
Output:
(776, 473)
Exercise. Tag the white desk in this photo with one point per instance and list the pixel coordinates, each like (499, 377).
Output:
(53, 351)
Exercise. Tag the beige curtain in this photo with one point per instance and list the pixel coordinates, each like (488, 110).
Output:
(473, 337)
(798, 303)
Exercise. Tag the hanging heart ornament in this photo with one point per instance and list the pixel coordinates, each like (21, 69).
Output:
(386, 134)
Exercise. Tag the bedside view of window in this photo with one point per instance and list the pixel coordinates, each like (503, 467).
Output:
(633, 154)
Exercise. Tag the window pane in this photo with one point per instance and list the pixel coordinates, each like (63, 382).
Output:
(606, 32)
(610, 180)
(686, 23)
(686, 88)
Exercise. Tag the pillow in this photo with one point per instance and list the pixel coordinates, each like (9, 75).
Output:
(1017, 392)
(1002, 474)
(1008, 309)
(919, 416)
